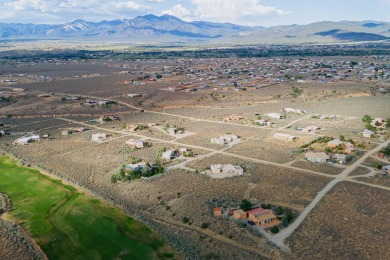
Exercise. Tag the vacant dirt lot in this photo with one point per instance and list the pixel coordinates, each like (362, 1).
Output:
(341, 224)
(319, 167)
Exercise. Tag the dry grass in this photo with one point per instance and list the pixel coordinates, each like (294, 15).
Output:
(378, 180)
(360, 171)
(345, 225)
(318, 167)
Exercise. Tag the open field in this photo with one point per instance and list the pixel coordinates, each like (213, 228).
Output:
(342, 223)
(69, 224)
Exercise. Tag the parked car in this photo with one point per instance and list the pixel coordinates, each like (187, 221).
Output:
(250, 222)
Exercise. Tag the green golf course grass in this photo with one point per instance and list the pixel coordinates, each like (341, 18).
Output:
(69, 224)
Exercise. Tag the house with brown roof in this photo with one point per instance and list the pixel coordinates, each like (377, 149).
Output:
(261, 216)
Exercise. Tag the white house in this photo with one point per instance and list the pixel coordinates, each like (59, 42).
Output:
(264, 122)
(317, 157)
(275, 115)
(340, 158)
(136, 166)
(308, 129)
(227, 168)
(136, 143)
(217, 140)
(26, 140)
(293, 110)
(285, 137)
(168, 155)
(99, 137)
(367, 133)
(229, 137)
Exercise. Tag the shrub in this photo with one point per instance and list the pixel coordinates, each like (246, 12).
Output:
(275, 229)
(185, 220)
(279, 210)
(289, 215)
(285, 222)
(246, 205)
(205, 225)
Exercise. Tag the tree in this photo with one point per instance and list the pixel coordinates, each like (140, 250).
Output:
(367, 119)
(185, 220)
(377, 123)
(342, 138)
(246, 205)
(285, 222)
(370, 127)
(289, 215)
(275, 229)
(387, 122)
(279, 210)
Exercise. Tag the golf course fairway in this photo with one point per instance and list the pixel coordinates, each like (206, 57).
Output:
(69, 224)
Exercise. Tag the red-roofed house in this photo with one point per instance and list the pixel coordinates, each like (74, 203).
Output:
(261, 216)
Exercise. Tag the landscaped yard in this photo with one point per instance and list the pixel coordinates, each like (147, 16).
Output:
(68, 224)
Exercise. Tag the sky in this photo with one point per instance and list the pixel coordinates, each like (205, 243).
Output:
(244, 12)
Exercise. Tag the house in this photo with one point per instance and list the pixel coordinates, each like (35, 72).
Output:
(223, 139)
(367, 133)
(317, 157)
(340, 158)
(136, 166)
(227, 168)
(308, 129)
(132, 95)
(275, 115)
(168, 155)
(349, 150)
(285, 137)
(233, 118)
(174, 131)
(386, 170)
(171, 131)
(240, 214)
(45, 135)
(264, 122)
(378, 122)
(217, 212)
(136, 143)
(99, 137)
(26, 140)
(217, 140)
(293, 110)
(229, 137)
(132, 128)
(334, 143)
(261, 216)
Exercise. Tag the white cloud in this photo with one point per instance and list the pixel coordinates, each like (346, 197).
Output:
(130, 5)
(233, 10)
(21, 5)
(180, 12)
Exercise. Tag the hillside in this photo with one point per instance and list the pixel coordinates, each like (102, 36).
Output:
(168, 28)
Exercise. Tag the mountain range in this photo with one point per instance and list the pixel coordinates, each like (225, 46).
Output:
(167, 28)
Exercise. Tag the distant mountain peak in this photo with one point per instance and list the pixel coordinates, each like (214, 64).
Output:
(168, 28)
